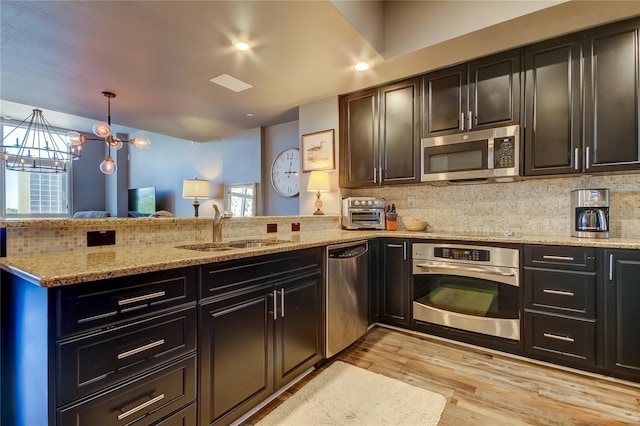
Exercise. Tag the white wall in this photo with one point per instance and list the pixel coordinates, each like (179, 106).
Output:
(315, 117)
(169, 161)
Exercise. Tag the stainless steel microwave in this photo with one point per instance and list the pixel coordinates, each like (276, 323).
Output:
(491, 155)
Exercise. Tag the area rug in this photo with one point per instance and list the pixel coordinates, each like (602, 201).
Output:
(346, 395)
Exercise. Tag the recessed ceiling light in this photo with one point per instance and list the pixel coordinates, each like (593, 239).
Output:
(242, 45)
(250, 114)
(231, 83)
(361, 66)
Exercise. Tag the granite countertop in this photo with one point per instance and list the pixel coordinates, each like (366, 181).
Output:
(64, 268)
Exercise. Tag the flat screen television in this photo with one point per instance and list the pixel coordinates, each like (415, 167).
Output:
(143, 200)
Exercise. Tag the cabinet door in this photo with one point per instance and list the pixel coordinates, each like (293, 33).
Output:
(552, 107)
(445, 101)
(494, 91)
(298, 337)
(399, 132)
(235, 355)
(374, 280)
(396, 297)
(359, 139)
(622, 316)
(611, 98)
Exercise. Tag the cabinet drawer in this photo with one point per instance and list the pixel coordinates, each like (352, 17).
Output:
(242, 275)
(143, 401)
(569, 258)
(184, 417)
(560, 337)
(102, 304)
(571, 293)
(94, 362)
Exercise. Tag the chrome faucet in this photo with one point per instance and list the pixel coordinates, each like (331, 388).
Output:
(217, 224)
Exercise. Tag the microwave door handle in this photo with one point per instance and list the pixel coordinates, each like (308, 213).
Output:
(465, 269)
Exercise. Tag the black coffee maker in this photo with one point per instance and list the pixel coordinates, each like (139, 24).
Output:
(590, 213)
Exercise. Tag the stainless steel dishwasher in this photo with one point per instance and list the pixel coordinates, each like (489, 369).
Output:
(346, 295)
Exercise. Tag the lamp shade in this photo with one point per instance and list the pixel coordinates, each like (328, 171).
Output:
(319, 182)
(196, 188)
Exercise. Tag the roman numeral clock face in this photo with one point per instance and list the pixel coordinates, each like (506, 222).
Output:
(285, 173)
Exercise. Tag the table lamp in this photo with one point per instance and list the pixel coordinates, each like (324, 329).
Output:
(319, 182)
(196, 188)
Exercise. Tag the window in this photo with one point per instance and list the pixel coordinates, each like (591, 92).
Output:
(240, 199)
(33, 194)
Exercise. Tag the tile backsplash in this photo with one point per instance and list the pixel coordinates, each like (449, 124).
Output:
(536, 206)
(30, 237)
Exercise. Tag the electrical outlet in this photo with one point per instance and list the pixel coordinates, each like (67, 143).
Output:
(295, 227)
(101, 238)
(272, 227)
(411, 201)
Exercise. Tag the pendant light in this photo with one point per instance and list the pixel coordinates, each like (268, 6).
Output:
(103, 131)
(41, 150)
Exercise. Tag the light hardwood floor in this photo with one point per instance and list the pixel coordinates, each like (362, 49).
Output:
(488, 388)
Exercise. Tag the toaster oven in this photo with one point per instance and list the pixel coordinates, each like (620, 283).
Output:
(363, 213)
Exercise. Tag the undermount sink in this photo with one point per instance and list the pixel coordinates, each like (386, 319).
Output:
(244, 244)
(206, 247)
(254, 243)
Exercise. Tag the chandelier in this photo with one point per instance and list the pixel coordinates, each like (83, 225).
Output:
(42, 149)
(103, 131)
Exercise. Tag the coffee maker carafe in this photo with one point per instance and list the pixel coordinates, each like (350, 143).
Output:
(590, 213)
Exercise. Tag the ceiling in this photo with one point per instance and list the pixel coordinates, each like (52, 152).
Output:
(158, 56)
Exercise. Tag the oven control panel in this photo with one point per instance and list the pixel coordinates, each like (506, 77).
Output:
(477, 255)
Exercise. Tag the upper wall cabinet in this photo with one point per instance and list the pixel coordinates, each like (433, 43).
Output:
(612, 98)
(379, 135)
(557, 140)
(481, 94)
(552, 107)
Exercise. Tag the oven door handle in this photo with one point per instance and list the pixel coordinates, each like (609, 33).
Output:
(465, 269)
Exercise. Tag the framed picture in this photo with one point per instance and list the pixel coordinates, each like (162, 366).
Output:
(318, 151)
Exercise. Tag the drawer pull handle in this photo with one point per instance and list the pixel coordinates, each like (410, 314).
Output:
(141, 298)
(563, 338)
(550, 257)
(558, 292)
(141, 407)
(123, 355)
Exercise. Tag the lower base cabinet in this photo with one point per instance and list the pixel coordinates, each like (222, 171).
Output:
(622, 313)
(261, 329)
(396, 282)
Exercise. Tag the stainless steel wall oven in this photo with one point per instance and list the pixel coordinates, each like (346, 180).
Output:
(467, 287)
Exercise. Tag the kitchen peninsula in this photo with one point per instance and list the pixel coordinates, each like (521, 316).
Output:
(143, 329)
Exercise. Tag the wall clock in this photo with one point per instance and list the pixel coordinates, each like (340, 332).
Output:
(285, 173)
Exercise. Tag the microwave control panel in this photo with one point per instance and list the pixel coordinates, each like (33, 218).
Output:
(504, 152)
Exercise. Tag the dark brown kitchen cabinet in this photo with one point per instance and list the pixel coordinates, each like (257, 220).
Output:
(612, 98)
(100, 353)
(582, 98)
(380, 135)
(396, 281)
(621, 313)
(560, 315)
(552, 119)
(260, 327)
(375, 266)
(481, 94)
